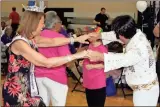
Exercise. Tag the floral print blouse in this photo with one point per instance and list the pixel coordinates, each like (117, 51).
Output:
(16, 88)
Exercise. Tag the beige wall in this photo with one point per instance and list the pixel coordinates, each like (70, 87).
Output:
(80, 7)
(96, 5)
(6, 6)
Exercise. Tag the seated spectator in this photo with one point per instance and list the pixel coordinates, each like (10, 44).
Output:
(3, 27)
(7, 36)
(63, 31)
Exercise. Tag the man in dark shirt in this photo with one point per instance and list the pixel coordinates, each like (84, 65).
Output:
(158, 16)
(101, 19)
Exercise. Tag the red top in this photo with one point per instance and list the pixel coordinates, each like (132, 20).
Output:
(15, 17)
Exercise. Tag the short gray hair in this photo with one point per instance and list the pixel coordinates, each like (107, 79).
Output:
(51, 19)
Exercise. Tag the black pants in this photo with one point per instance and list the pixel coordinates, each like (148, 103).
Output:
(96, 98)
(14, 27)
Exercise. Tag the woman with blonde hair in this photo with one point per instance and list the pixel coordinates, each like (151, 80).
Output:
(20, 88)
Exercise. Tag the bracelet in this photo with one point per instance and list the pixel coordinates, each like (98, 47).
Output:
(74, 35)
(71, 40)
(68, 58)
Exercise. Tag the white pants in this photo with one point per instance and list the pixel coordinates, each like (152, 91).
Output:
(51, 90)
(146, 97)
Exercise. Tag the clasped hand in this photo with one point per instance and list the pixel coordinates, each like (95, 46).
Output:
(83, 38)
(91, 55)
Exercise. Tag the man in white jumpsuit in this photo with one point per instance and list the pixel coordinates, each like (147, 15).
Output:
(138, 60)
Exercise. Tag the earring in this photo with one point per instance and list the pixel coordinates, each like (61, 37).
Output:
(33, 33)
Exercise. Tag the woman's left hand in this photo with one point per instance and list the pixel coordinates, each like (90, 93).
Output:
(83, 38)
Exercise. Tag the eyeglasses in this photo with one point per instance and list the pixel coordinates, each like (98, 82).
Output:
(60, 22)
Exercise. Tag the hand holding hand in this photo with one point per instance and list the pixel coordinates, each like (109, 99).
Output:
(100, 66)
(94, 66)
(94, 55)
(89, 67)
(83, 38)
(82, 54)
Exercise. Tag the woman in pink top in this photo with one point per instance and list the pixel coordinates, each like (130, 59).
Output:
(52, 82)
(94, 77)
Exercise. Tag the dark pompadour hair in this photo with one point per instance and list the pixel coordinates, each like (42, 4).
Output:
(125, 26)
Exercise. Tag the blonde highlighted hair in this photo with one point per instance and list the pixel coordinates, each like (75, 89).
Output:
(29, 23)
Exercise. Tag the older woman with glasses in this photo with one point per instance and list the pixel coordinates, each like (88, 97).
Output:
(52, 82)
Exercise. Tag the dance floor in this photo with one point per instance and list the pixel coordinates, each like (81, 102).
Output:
(78, 98)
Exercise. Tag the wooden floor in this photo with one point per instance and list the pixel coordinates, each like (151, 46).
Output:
(79, 99)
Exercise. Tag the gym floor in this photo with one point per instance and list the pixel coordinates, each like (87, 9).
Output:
(79, 99)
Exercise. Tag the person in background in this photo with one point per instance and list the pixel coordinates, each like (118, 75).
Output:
(158, 16)
(7, 36)
(156, 32)
(63, 31)
(94, 77)
(14, 20)
(101, 18)
(3, 27)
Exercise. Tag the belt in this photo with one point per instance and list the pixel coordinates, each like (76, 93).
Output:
(145, 86)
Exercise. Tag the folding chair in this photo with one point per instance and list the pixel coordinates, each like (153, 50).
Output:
(4, 59)
(79, 79)
(122, 85)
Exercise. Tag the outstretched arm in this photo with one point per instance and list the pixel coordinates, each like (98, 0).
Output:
(114, 61)
(20, 47)
(106, 37)
(52, 42)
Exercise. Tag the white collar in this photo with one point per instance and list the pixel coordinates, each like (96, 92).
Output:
(135, 38)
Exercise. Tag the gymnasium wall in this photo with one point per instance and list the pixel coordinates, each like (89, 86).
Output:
(82, 8)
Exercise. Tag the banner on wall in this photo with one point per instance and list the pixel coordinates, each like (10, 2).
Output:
(31, 2)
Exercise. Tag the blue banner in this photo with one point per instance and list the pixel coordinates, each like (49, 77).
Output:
(31, 3)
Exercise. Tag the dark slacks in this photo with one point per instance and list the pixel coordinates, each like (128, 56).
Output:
(96, 98)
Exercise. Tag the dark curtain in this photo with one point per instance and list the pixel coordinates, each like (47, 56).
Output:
(148, 21)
